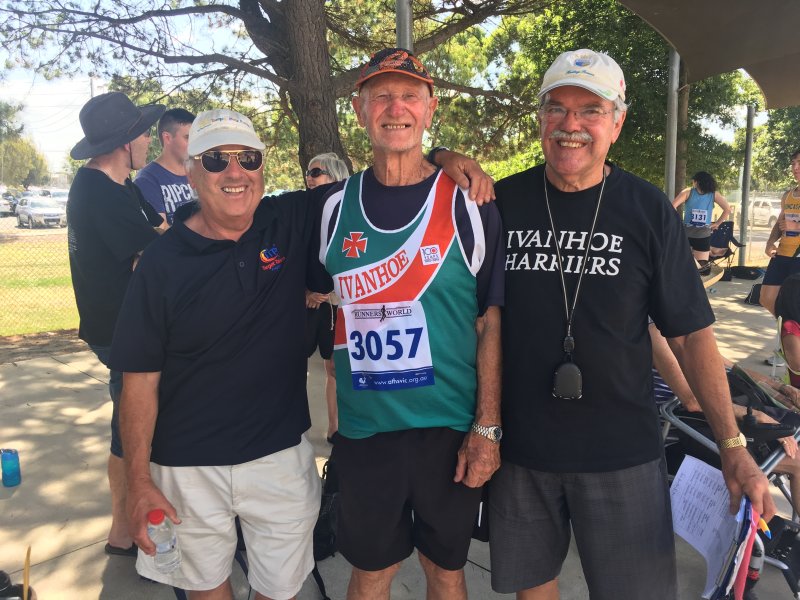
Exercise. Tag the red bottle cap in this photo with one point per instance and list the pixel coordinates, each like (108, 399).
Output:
(156, 516)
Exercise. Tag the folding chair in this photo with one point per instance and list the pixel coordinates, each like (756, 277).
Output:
(721, 241)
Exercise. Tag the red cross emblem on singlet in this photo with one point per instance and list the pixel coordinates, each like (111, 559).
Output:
(354, 245)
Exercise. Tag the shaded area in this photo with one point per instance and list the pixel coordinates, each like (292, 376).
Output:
(36, 345)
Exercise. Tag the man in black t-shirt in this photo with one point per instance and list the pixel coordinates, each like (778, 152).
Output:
(591, 251)
(109, 226)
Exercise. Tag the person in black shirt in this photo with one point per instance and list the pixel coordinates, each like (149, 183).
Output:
(109, 226)
(591, 251)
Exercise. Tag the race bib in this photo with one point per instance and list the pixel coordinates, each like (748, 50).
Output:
(387, 345)
(699, 217)
(792, 224)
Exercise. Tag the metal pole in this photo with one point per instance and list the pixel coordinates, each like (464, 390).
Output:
(748, 158)
(671, 150)
(403, 21)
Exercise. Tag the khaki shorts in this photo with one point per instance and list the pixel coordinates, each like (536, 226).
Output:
(277, 501)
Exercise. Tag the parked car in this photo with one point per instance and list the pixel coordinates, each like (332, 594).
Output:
(60, 196)
(34, 211)
(12, 200)
(764, 211)
(5, 207)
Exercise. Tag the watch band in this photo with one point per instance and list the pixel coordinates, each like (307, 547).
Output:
(431, 157)
(732, 442)
(493, 433)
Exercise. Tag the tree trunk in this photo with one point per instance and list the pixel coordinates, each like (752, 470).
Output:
(683, 124)
(310, 86)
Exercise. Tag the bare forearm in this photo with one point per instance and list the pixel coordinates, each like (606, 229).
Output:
(774, 235)
(703, 366)
(138, 412)
(489, 367)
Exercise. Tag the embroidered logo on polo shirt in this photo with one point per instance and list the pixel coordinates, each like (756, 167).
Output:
(430, 254)
(271, 259)
(354, 245)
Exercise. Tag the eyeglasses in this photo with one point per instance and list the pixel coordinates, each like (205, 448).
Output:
(556, 114)
(316, 172)
(216, 161)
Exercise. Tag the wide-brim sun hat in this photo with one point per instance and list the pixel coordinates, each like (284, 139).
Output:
(222, 127)
(394, 60)
(593, 71)
(111, 120)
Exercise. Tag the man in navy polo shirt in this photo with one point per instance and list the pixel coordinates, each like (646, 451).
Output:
(214, 408)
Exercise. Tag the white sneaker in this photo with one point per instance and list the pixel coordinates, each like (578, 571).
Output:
(774, 361)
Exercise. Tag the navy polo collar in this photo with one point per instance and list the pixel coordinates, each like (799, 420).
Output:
(262, 218)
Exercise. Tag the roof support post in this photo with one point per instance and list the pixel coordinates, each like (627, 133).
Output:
(748, 161)
(671, 136)
(403, 20)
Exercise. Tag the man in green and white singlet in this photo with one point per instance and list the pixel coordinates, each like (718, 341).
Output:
(419, 270)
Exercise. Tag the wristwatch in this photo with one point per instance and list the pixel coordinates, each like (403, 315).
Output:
(431, 157)
(494, 433)
(734, 442)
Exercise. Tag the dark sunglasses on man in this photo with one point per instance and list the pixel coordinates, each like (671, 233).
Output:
(316, 172)
(216, 161)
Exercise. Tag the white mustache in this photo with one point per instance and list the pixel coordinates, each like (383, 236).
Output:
(577, 136)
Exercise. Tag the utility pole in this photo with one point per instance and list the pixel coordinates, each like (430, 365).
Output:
(403, 22)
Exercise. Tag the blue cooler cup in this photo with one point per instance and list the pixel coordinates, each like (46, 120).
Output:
(10, 465)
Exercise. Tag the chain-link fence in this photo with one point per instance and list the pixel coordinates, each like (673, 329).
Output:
(36, 289)
(35, 285)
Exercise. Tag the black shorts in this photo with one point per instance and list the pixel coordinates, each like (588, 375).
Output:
(779, 268)
(320, 325)
(397, 493)
(700, 244)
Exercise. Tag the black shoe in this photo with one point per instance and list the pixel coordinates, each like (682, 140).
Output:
(749, 595)
(131, 551)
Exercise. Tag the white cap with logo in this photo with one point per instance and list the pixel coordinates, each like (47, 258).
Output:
(594, 71)
(220, 127)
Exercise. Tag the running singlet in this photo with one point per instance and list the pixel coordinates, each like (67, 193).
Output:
(789, 244)
(405, 341)
(698, 210)
(790, 328)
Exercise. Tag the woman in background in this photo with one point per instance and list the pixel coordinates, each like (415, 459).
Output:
(322, 308)
(700, 199)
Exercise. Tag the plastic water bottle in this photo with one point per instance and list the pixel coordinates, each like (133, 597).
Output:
(9, 459)
(162, 532)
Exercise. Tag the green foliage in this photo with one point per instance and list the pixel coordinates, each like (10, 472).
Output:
(9, 128)
(21, 165)
(783, 131)
(281, 166)
(527, 45)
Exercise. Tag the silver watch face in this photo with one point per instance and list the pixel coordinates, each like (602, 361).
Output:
(496, 433)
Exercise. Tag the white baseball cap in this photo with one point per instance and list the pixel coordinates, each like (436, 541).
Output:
(220, 127)
(594, 71)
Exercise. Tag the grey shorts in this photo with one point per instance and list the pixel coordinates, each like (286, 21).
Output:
(622, 522)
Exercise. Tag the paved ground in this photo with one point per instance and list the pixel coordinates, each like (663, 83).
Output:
(55, 410)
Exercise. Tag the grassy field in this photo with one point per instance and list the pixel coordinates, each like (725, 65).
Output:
(35, 285)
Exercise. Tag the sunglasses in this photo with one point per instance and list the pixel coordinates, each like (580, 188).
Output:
(216, 161)
(316, 172)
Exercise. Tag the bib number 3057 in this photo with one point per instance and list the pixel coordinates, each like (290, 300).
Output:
(396, 345)
(388, 345)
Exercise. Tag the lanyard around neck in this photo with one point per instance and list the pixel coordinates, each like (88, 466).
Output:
(569, 341)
